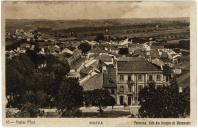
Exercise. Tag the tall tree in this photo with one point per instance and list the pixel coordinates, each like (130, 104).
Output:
(110, 101)
(23, 75)
(70, 97)
(148, 99)
(167, 71)
(84, 47)
(17, 70)
(186, 100)
(162, 101)
(99, 98)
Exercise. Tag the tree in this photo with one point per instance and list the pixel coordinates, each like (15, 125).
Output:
(88, 98)
(184, 44)
(186, 100)
(17, 70)
(36, 58)
(110, 101)
(23, 75)
(42, 99)
(58, 67)
(84, 47)
(123, 51)
(29, 110)
(99, 98)
(36, 35)
(148, 99)
(167, 71)
(161, 102)
(56, 71)
(70, 97)
(100, 37)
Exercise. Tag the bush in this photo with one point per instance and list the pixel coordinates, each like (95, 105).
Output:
(29, 110)
(72, 113)
(100, 37)
(10, 114)
(84, 47)
(123, 51)
(163, 101)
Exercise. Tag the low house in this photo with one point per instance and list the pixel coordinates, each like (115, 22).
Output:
(86, 71)
(158, 62)
(66, 50)
(106, 58)
(133, 47)
(138, 53)
(177, 71)
(74, 57)
(97, 50)
(125, 42)
(170, 54)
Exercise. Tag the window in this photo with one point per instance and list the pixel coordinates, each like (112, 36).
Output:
(121, 88)
(112, 91)
(158, 77)
(111, 80)
(167, 78)
(130, 89)
(121, 78)
(139, 77)
(140, 87)
(150, 78)
(129, 78)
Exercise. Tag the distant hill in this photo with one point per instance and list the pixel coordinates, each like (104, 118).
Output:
(26, 24)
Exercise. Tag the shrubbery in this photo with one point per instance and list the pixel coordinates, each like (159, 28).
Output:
(164, 101)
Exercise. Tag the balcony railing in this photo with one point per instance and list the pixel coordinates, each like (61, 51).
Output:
(150, 81)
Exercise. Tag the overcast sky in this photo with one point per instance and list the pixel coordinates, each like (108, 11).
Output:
(94, 10)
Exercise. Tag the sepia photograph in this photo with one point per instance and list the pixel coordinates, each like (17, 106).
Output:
(99, 60)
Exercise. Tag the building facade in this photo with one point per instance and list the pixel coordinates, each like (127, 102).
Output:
(132, 74)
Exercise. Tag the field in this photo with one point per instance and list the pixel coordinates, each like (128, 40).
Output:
(88, 29)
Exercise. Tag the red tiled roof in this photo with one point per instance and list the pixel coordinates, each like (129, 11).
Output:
(93, 83)
(98, 50)
(105, 58)
(135, 64)
(154, 53)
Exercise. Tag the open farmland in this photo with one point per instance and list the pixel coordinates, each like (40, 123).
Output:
(116, 28)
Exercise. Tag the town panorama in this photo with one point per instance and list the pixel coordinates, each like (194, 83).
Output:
(133, 68)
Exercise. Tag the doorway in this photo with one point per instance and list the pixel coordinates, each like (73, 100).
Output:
(121, 100)
(129, 100)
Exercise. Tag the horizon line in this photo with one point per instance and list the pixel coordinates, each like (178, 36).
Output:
(101, 18)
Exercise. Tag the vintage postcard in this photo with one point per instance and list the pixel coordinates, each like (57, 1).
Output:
(99, 63)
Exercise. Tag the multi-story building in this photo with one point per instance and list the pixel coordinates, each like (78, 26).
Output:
(132, 74)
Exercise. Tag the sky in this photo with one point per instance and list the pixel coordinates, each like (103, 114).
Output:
(94, 10)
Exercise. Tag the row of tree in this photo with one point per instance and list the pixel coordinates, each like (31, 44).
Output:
(182, 44)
